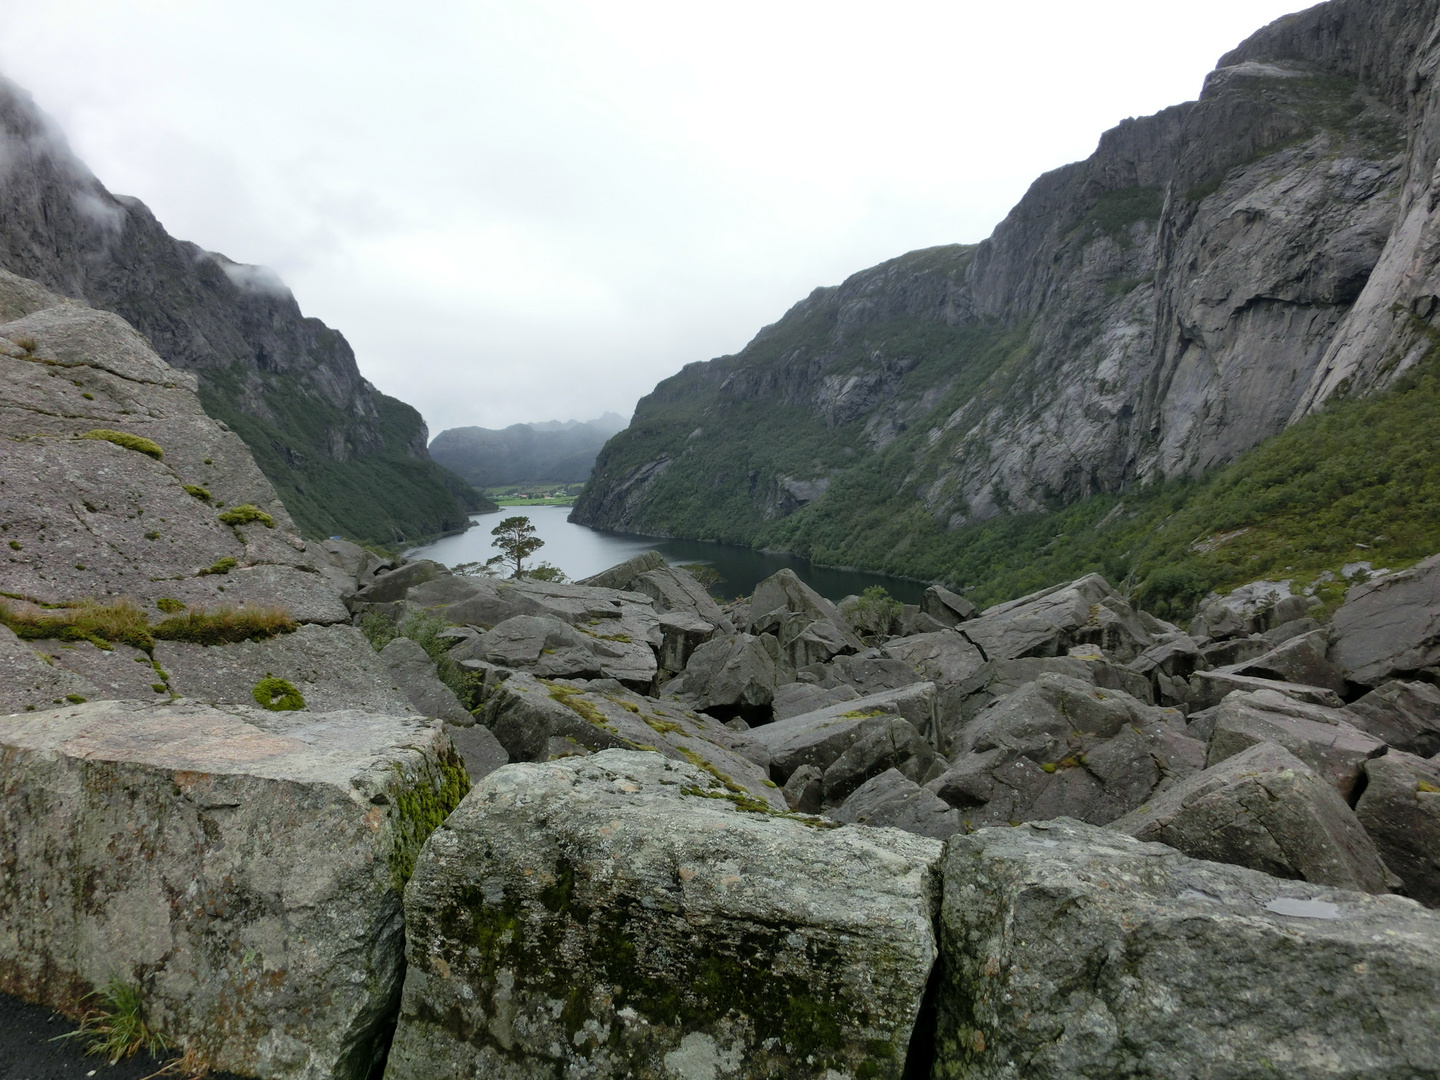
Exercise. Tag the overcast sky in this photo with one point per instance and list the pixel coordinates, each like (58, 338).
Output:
(535, 209)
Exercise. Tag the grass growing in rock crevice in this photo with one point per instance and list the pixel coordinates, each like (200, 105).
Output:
(425, 630)
(124, 622)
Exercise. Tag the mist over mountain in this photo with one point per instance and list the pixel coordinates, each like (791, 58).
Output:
(345, 458)
(550, 451)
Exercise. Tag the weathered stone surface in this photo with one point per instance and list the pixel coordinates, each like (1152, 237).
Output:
(540, 644)
(392, 586)
(944, 657)
(961, 703)
(1208, 688)
(243, 869)
(805, 790)
(799, 698)
(681, 633)
(895, 744)
(478, 749)
(1406, 715)
(1400, 809)
(118, 673)
(1266, 809)
(1049, 622)
(893, 799)
(622, 574)
(1321, 737)
(411, 669)
(527, 715)
(950, 608)
(1071, 951)
(751, 945)
(1390, 627)
(733, 676)
(809, 628)
(819, 738)
(1302, 659)
(333, 667)
(28, 683)
(676, 590)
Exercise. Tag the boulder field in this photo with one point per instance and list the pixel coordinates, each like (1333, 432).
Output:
(327, 812)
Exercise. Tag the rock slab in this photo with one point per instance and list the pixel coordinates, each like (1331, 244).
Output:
(621, 916)
(1070, 951)
(241, 869)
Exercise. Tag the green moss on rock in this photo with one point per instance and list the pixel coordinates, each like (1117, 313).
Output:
(130, 442)
(418, 806)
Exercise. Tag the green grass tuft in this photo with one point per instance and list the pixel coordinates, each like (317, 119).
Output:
(278, 695)
(220, 566)
(128, 441)
(118, 1029)
(226, 625)
(245, 514)
(198, 492)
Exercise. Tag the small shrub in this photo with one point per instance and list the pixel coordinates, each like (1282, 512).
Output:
(704, 573)
(547, 572)
(169, 606)
(128, 441)
(152, 535)
(378, 629)
(220, 566)
(15, 545)
(118, 1028)
(278, 695)
(26, 342)
(874, 612)
(198, 492)
(424, 629)
(246, 513)
(225, 626)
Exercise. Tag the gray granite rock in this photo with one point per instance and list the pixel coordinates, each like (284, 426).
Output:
(411, 669)
(333, 667)
(1049, 622)
(478, 749)
(28, 682)
(243, 871)
(895, 800)
(751, 944)
(1390, 627)
(894, 744)
(944, 657)
(1400, 809)
(948, 607)
(1070, 951)
(1206, 689)
(734, 676)
(1321, 737)
(1406, 715)
(1301, 659)
(1266, 809)
(820, 738)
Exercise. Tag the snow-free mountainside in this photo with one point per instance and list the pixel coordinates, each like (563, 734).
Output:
(290, 809)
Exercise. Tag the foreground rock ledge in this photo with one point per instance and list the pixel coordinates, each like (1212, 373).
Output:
(1071, 951)
(625, 915)
(241, 868)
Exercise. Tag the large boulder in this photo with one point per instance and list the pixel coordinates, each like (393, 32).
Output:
(809, 628)
(820, 738)
(536, 720)
(1389, 627)
(944, 657)
(622, 574)
(29, 681)
(894, 744)
(413, 672)
(241, 869)
(962, 702)
(1266, 809)
(551, 648)
(1071, 951)
(734, 676)
(676, 590)
(1062, 747)
(1302, 659)
(628, 916)
(333, 667)
(1049, 622)
(1321, 737)
(1400, 809)
(895, 800)
(1406, 715)
(1206, 689)
(945, 606)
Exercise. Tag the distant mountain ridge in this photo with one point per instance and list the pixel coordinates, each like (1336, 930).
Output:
(547, 451)
(1209, 276)
(344, 457)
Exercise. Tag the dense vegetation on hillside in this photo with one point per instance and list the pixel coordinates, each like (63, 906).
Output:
(550, 452)
(384, 496)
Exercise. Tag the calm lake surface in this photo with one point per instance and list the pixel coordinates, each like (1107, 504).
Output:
(582, 551)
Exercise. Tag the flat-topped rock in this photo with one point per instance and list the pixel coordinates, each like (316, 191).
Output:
(242, 870)
(819, 738)
(1070, 951)
(1390, 627)
(621, 915)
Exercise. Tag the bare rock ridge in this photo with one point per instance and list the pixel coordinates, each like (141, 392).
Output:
(345, 458)
(1210, 274)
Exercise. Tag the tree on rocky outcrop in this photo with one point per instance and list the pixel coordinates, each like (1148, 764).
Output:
(516, 539)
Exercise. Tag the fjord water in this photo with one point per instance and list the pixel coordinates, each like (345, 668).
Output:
(582, 551)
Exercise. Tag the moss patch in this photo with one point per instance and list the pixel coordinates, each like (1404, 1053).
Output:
(278, 695)
(418, 807)
(246, 514)
(128, 441)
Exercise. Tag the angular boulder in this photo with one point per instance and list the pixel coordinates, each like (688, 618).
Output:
(1321, 737)
(1400, 809)
(948, 607)
(733, 676)
(1302, 659)
(809, 628)
(1389, 627)
(895, 800)
(242, 870)
(413, 672)
(1406, 715)
(626, 916)
(1266, 809)
(1070, 951)
(945, 657)
(820, 738)
(1048, 623)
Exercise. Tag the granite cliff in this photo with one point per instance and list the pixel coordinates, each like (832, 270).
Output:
(1209, 276)
(344, 457)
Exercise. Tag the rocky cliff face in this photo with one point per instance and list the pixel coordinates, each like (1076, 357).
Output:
(288, 384)
(1209, 275)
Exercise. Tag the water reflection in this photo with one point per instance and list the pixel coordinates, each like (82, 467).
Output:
(581, 551)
